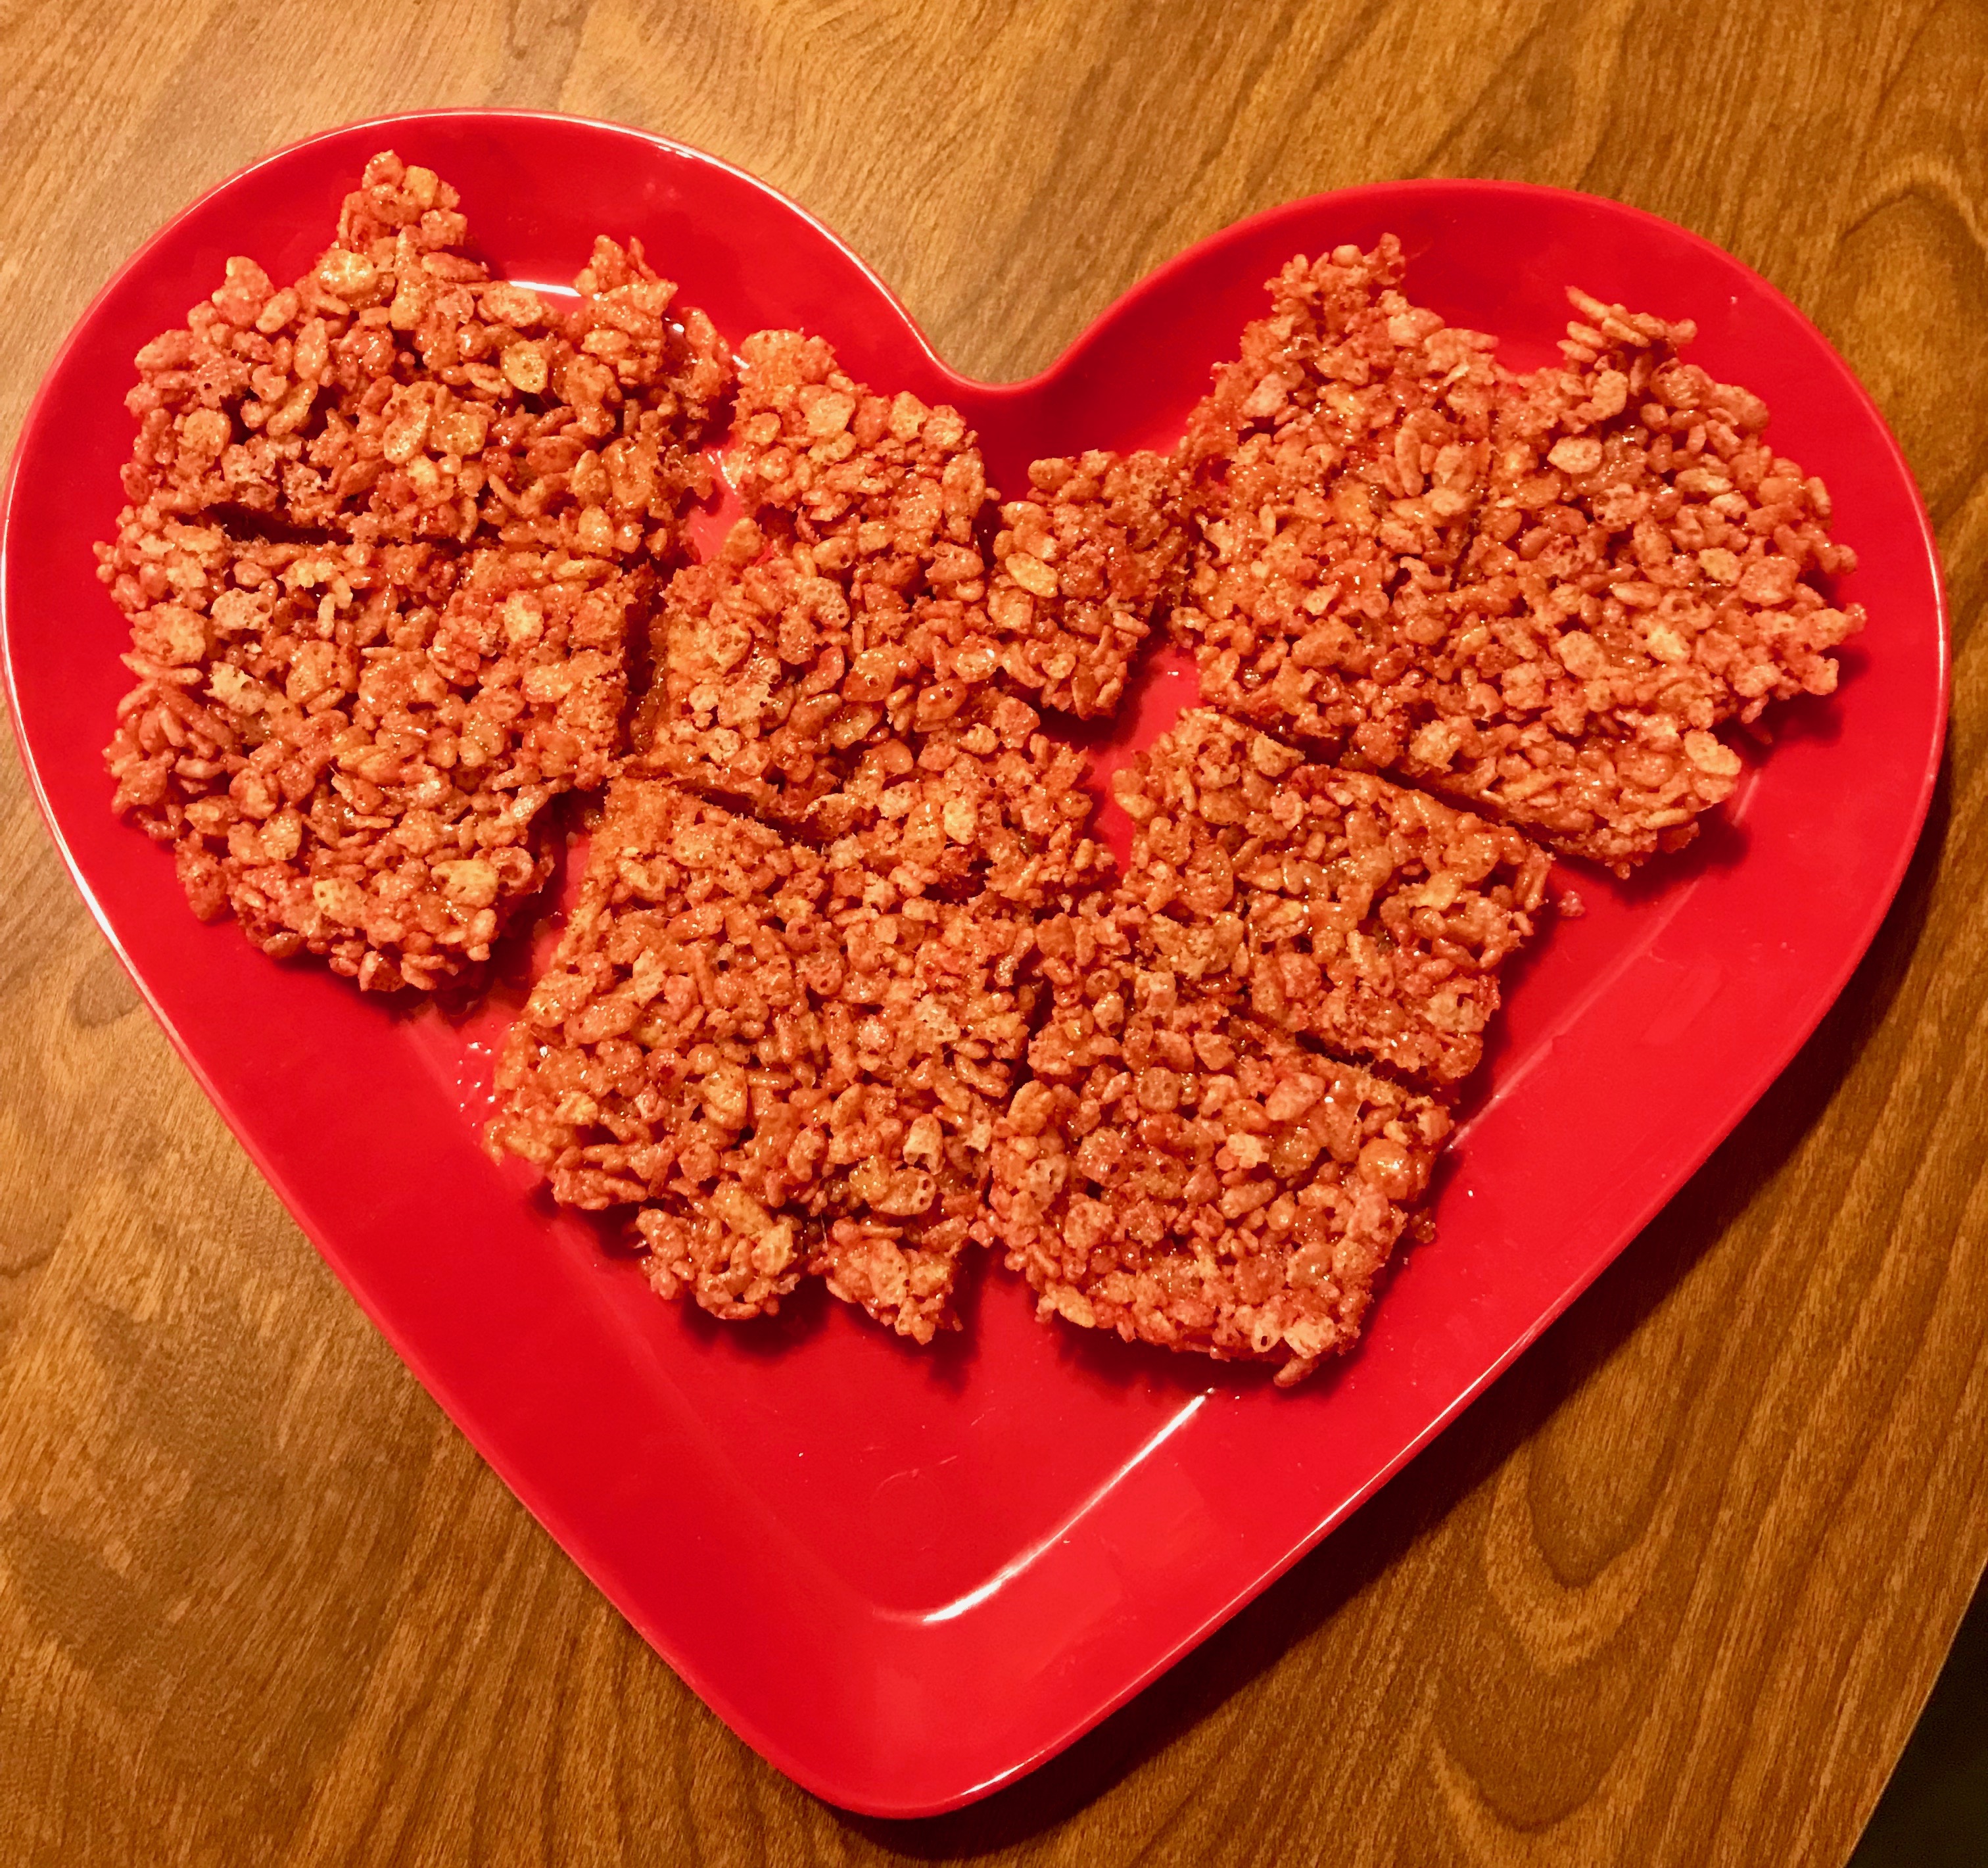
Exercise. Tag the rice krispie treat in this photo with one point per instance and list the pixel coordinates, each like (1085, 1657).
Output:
(397, 392)
(349, 746)
(779, 1063)
(926, 1030)
(940, 865)
(884, 490)
(1329, 904)
(987, 807)
(772, 683)
(671, 1057)
(854, 602)
(390, 527)
(1082, 568)
(1345, 451)
(1542, 607)
(1193, 1178)
(847, 607)
(1642, 573)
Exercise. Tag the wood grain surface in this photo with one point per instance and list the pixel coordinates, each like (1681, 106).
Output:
(1673, 1593)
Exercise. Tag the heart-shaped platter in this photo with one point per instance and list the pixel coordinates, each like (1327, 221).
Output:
(906, 1576)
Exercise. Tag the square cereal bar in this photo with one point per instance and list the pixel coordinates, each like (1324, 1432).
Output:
(986, 806)
(672, 1057)
(1602, 565)
(1191, 1178)
(1082, 568)
(1341, 456)
(1329, 903)
(777, 1063)
(350, 746)
(884, 491)
(926, 1031)
(397, 392)
(773, 682)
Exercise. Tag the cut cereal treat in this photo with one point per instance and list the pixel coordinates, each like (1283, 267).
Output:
(1641, 574)
(986, 806)
(1083, 566)
(1192, 1179)
(633, 385)
(779, 1065)
(397, 392)
(750, 652)
(927, 1029)
(1329, 903)
(350, 746)
(772, 684)
(388, 528)
(847, 608)
(671, 1057)
(224, 405)
(852, 608)
(940, 868)
(884, 490)
(1337, 463)
(1603, 564)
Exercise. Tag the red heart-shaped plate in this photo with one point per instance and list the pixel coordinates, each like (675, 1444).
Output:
(905, 1577)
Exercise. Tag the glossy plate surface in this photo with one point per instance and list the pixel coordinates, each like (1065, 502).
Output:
(907, 1577)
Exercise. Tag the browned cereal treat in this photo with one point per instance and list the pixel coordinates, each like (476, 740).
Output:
(634, 383)
(986, 807)
(1638, 577)
(1344, 451)
(350, 746)
(1329, 904)
(847, 609)
(1083, 568)
(1545, 610)
(849, 619)
(397, 392)
(388, 528)
(765, 699)
(884, 490)
(927, 1029)
(770, 686)
(672, 1056)
(1196, 1179)
(779, 1063)
(224, 405)
(941, 864)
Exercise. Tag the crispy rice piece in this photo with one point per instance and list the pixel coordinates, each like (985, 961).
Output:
(884, 491)
(1083, 567)
(853, 606)
(1344, 451)
(1326, 903)
(1195, 1178)
(750, 709)
(672, 1056)
(927, 1030)
(396, 393)
(1602, 565)
(938, 916)
(774, 682)
(224, 405)
(847, 608)
(350, 746)
(779, 1063)
(420, 505)
(986, 806)
(1640, 576)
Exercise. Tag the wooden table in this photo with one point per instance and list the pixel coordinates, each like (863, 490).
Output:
(1674, 1592)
